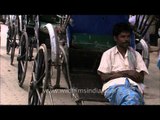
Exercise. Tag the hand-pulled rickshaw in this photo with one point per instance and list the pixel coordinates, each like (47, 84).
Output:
(72, 45)
(28, 41)
(12, 35)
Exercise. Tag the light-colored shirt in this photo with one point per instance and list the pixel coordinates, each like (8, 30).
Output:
(112, 60)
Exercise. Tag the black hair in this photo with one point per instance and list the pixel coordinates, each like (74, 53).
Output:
(121, 27)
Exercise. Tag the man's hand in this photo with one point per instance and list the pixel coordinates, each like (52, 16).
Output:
(108, 76)
(134, 75)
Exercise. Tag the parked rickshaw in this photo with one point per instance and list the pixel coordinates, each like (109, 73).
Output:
(12, 35)
(28, 41)
(72, 45)
(140, 28)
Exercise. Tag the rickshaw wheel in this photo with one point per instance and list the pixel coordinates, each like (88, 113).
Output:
(22, 58)
(39, 80)
(8, 47)
(8, 42)
(13, 49)
(13, 45)
(65, 63)
(30, 49)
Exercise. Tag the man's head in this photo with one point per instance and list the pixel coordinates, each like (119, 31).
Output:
(121, 34)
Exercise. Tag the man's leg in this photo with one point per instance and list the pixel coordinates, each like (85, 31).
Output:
(129, 96)
(124, 95)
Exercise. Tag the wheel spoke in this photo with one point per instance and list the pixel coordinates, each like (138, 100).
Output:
(39, 96)
(22, 58)
(38, 87)
(22, 66)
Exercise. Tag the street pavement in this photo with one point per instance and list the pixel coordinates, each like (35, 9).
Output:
(12, 94)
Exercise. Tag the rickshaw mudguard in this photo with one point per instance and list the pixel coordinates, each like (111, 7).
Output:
(53, 41)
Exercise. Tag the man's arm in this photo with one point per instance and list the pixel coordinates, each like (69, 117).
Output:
(108, 76)
(132, 74)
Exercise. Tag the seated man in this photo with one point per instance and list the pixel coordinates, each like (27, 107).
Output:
(122, 70)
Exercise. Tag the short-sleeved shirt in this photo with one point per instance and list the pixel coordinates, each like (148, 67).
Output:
(112, 60)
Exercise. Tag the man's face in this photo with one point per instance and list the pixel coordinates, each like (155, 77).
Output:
(123, 39)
